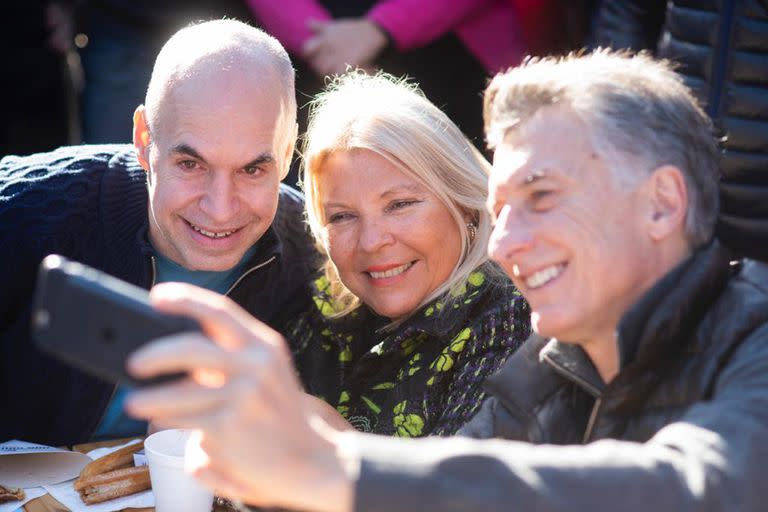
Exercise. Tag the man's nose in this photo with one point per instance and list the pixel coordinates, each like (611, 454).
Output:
(510, 236)
(374, 234)
(220, 200)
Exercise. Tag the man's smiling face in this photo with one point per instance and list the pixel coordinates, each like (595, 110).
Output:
(568, 234)
(214, 169)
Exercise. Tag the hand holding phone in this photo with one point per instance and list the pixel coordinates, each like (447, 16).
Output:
(93, 321)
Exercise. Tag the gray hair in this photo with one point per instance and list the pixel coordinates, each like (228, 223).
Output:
(639, 114)
(229, 45)
(393, 119)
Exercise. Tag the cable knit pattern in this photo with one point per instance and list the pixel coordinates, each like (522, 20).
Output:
(43, 194)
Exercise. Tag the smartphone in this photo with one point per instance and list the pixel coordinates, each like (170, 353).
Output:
(93, 321)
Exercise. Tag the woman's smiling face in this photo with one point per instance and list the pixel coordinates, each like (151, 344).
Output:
(392, 241)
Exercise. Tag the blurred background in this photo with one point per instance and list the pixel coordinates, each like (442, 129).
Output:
(74, 70)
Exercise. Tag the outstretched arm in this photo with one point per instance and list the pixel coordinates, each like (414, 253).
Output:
(265, 450)
(711, 459)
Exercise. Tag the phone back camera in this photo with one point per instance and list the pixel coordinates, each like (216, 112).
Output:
(107, 335)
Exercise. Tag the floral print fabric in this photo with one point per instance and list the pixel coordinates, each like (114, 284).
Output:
(425, 376)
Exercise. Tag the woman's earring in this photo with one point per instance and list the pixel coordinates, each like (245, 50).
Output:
(472, 231)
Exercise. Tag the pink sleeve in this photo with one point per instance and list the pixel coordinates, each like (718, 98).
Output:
(287, 20)
(415, 23)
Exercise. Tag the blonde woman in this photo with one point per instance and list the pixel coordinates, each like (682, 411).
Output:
(410, 317)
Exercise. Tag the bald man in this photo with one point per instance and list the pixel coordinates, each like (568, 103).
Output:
(197, 199)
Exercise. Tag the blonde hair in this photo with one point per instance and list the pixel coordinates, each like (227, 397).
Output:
(393, 119)
(639, 114)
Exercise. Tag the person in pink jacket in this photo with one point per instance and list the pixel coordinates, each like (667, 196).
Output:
(487, 28)
(449, 47)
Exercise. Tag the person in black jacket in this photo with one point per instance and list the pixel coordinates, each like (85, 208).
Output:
(722, 52)
(646, 387)
(196, 199)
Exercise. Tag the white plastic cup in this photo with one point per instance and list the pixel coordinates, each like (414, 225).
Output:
(173, 487)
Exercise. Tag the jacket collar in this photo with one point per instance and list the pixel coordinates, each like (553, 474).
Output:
(571, 362)
(669, 312)
(523, 382)
(656, 324)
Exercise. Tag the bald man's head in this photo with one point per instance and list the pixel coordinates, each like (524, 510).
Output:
(226, 58)
(215, 136)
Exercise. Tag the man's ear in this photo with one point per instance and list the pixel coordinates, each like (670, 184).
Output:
(668, 195)
(141, 139)
(288, 156)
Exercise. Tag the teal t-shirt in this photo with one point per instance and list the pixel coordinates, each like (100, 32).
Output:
(115, 423)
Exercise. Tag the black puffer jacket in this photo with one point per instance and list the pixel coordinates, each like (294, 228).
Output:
(683, 426)
(722, 47)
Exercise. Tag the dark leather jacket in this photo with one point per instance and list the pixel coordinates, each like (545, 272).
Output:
(89, 203)
(722, 47)
(683, 427)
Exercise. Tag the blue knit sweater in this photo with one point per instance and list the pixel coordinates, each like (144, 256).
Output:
(89, 203)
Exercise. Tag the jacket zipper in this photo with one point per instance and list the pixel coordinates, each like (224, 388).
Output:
(719, 68)
(252, 269)
(592, 390)
(154, 272)
(239, 279)
(592, 421)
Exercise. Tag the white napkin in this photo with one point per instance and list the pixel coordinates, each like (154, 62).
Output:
(32, 493)
(29, 465)
(66, 494)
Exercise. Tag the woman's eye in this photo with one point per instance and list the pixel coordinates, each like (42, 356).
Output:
(399, 205)
(339, 217)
